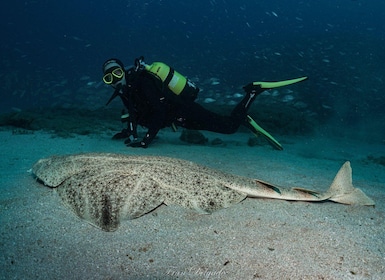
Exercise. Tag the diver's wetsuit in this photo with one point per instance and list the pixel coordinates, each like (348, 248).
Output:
(155, 107)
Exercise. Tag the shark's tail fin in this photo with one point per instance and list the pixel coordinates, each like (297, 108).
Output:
(342, 190)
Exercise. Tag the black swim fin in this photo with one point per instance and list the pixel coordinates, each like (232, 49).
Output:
(257, 130)
(256, 88)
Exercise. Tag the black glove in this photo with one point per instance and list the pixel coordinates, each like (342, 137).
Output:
(140, 144)
(125, 133)
(128, 141)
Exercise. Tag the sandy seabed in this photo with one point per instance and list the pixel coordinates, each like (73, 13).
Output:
(255, 239)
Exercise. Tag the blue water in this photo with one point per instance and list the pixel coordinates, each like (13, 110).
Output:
(51, 56)
(52, 51)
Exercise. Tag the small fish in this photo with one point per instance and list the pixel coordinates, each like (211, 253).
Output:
(209, 100)
(237, 95)
(288, 98)
(214, 81)
(85, 78)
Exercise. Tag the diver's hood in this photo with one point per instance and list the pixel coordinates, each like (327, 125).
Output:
(128, 80)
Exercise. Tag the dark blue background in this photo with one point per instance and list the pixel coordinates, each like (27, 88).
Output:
(49, 47)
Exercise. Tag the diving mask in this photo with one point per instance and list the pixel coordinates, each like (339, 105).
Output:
(114, 76)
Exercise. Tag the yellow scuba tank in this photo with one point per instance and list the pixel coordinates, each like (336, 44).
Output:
(173, 79)
(176, 82)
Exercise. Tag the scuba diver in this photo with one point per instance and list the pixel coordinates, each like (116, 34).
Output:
(156, 96)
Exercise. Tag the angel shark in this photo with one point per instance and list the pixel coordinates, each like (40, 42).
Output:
(104, 188)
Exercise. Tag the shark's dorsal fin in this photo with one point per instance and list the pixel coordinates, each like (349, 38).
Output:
(314, 193)
(270, 186)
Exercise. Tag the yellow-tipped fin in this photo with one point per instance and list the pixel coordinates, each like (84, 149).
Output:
(268, 85)
(256, 129)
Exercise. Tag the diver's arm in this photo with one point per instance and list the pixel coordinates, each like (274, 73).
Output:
(153, 128)
(158, 113)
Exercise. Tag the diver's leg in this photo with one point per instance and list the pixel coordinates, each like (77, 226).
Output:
(198, 118)
(240, 111)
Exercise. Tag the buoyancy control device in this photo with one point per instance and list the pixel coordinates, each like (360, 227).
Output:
(176, 83)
